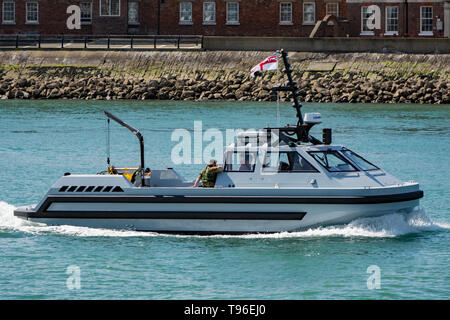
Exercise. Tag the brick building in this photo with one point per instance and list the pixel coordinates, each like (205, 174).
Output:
(411, 18)
(296, 18)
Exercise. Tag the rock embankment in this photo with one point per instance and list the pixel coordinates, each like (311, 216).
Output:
(319, 79)
(313, 87)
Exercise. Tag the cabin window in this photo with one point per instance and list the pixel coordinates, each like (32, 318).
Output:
(332, 161)
(241, 161)
(359, 161)
(98, 189)
(290, 161)
(72, 188)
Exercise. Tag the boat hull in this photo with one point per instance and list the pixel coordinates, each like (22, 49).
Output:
(214, 215)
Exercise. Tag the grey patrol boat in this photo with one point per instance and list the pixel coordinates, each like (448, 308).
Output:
(274, 180)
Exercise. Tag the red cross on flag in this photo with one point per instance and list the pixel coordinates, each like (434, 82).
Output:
(269, 63)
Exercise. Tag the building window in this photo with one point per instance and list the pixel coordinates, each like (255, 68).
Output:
(426, 20)
(365, 15)
(86, 12)
(333, 9)
(133, 12)
(209, 13)
(32, 12)
(9, 12)
(286, 13)
(391, 20)
(185, 12)
(309, 12)
(232, 12)
(110, 8)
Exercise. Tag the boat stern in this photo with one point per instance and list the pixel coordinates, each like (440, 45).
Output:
(25, 212)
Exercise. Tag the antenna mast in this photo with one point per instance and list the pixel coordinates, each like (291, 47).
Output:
(292, 86)
(302, 129)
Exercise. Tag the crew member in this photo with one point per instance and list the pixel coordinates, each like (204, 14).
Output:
(208, 175)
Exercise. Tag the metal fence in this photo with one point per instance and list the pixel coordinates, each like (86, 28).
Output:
(116, 42)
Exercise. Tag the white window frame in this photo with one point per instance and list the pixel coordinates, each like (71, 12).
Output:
(304, 11)
(426, 33)
(289, 21)
(364, 32)
(211, 22)
(233, 22)
(37, 13)
(109, 14)
(387, 18)
(86, 21)
(14, 12)
(327, 11)
(185, 22)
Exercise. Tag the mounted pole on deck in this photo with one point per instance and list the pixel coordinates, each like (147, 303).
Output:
(302, 129)
(138, 135)
(108, 144)
(292, 86)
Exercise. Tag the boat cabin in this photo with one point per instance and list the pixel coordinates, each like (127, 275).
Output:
(296, 165)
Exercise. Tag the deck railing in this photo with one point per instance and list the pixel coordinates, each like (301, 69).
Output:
(101, 42)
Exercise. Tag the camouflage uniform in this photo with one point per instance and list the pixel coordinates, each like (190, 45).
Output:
(209, 175)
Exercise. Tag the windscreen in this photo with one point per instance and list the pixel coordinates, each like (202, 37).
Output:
(359, 161)
(332, 161)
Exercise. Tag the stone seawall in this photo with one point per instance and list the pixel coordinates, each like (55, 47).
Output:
(111, 75)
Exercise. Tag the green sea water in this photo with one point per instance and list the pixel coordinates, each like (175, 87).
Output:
(40, 140)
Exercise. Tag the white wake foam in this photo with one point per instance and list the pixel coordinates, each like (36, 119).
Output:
(386, 226)
(9, 221)
(390, 225)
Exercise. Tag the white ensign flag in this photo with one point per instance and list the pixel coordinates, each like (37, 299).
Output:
(270, 63)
